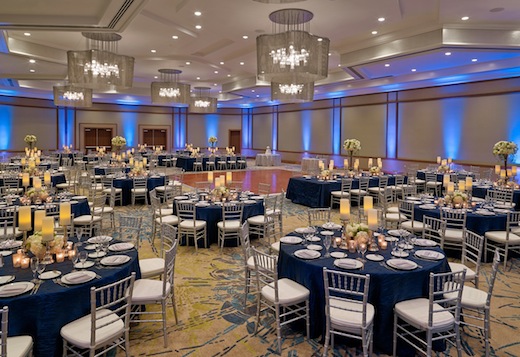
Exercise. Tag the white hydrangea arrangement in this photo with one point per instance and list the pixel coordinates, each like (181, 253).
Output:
(212, 139)
(457, 198)
(352, 145)
(357, 231)
(504, 149)
(30, 138)
(118, 141)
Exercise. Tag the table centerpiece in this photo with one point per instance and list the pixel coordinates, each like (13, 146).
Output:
(38, 247)
(30, 139)
(351, 146)
(457, 199)
(503, 150)
(212, 141)
(118, 142)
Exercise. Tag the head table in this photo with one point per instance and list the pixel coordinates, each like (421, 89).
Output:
(42, 314)
(387, 286)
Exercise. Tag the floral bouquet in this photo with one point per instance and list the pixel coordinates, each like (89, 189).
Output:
(35, 245)
(357, 231)
(118, 142)
(443, 169)
(325, 174)
(37, 196)
(504, 148)
(375, 170)
(137, 171)
(32, 170)
(30, 139)
(212, 140)
(352, 145)
(218, 193)
(456, 199)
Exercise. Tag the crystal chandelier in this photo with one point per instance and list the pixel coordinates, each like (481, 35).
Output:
(291, 52)
(169, 90)
(72, 96)
(100, 66)
(292, 92)
(202, 102)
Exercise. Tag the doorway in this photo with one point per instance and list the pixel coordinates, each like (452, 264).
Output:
(235, 140)
(97, 137)
(155, 137)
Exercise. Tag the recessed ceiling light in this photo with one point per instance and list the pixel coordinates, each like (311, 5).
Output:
(464, 18)
(258, 95)
(155, 77)
(198, 27)
(214, 84)
(153, 51)
(197, 13)
(216, 72)
(448, 53)
(252, 90)
(413, 69)
(245, 37)
(221, 63)
(188, 63)
(229, 75)
(381, 19)
(32, 61)
(387, 64)
(320, 39)
(330, 54)
(175, 37)
(198, 78)
(374, 32)
(474, 60)
(339, 64)
(32, 70)
(241, 63)
(27, 34)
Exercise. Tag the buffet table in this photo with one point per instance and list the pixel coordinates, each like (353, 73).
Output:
(387, 286)
(268, 160)
(43, 314)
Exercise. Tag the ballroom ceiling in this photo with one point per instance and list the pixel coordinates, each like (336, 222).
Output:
(420, 43)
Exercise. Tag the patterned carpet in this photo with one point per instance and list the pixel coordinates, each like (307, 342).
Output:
(213, 321)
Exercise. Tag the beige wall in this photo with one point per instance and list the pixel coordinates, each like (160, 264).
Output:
(200, 127)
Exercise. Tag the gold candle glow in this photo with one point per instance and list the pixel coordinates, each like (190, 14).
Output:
(345, 163)
(38, 220)
(25, 179)
(446, 180)
(372, 219)
(344, 209)
(370, 162)
(65, 212)
(24, 218)
(469, 183)
(37, 183)
(47, 229)
(229, 176)
(462, 185)
(497, 169)
(438, 159)
(25, 262)
(210, 176)
(47, 178)
(451, 187)
(368, 204)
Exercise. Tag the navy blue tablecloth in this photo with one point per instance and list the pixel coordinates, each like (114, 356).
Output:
(127, 183)
(186, 163)
(55, 179)
(42, 315)
(387, 287)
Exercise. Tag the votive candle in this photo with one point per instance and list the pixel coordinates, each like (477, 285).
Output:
(60, 256)
(383, 244)
(25, 262)
(17, 260)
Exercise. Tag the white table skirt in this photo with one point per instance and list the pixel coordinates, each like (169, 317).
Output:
(268, 160)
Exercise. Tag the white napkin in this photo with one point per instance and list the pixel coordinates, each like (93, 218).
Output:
(347, 264)
(10, 289)
(306, 254)
(122, 246)
(403, 264)
(80, 276)
(115, 259)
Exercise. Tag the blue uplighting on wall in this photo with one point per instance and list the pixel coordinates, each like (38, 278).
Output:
(336, 128)
(306, 129)
(514, 124)
(6, 125)
(452, 123)
(246, 128)
(129, 124)
(274, 130)
(391, 130)
(212, 127)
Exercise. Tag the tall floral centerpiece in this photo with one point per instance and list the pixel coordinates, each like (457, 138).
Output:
(118, 142)
(503, 150)
(351, 146)
(30, 139)
(212, 141)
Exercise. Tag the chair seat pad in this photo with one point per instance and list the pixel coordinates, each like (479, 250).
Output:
(473, 298)
(357, 191)
(232, 225)
(501, 237)
(415, 311)
(188, 223)
(375, 189)
(393, 209)
(414, 226)
(139, 190)
(151, 267)
(64, 184)
(170, 219)
(454, 235)
(340, 194)
(148, 291)
(164, 188)
(116, 190)
(77, 332)
(420, 181)
(275, 247)
(433, 183)
(289, 292)
(163, 211)
(86, 219)
(470, 274)
(106, 209)
(394, 217)
(348, 320)
(256, 220)
(19, 345)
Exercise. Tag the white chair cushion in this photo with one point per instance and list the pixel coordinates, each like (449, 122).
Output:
(106, 209)
(470, 274)
(414, 226)
(415, 311)
(420, 181)
(77, 332)
(289, 292)
(275, 247)
(349, 320)
(163, 211)
(109, 190)
(151, 267)
(394, 217)
(453, 235)
(375, 189)
(85, 219)
(170, 219)
(340, 194)
(393, 209)
(256, 220)
(139, 190)
(251, 263)
(188, 223)
(433, 183)
(19, 346)
(148, 290)
(500, 237)
(357, 191)
(230, 225)
(471, 298)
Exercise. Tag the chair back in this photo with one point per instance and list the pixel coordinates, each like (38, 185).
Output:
(399, 180)
(98, 204)
(266, 271)
(386, 198)
(492, 279)
(445, 289)
(185, 210)
(109, 306)
(3, 331)
(500, 195)
(318, 215)
(245, 241)
(430, 177)
(454, 218)
(169, 268)
(432, 229)
(363, 183)
(232, 211)
(512, 222)
(202, 186)
(130, 229)
(139, 182)
(346, 185)
(472, 249)
(383, 182)
(52, 209)
(264, 188)
(8, 222)
(406, 208)
(341, 287)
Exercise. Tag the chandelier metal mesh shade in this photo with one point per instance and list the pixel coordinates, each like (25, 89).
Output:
(292, 52)
(292, 92)
(169, 90)
(72, 96)
(100, 66)
(202, 102)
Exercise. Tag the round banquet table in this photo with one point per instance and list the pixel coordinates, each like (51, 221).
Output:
(56, 178)
(43, 314)
(126, 185)
(387, 287)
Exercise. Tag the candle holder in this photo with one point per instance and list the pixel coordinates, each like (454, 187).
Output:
(372, 247)
(47, 259)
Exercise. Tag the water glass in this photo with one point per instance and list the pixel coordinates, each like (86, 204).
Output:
(34, 267)
(327, 240)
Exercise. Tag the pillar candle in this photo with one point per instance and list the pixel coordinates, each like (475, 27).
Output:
(462, 185)
(451, 187)
(450, 160)
(368, 203)
(370, 162)
(497, 169)
(509, 173)
(38, 220)
(113, 155)
(438, 159)
(445, 180)
(65, 212)
(37, 160)
(345, 163)
(47, 178)
(331, 165)
(344, 209)
(469, 183)
(502, 173)
(47, 229)
(210, 176)
(131, 161)
(37, 183)
(25, 179)
(444, 162)
(24, 218)
(372, 219)
(229, 176)
(513, 170)
(23, 161)
(145, 161)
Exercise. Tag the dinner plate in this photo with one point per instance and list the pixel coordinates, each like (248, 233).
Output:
(307, 254)
(10, 244)
(250, 202)
(50, 274)
(314, 239)
(406, 246)
(301, 230)
(180, 197)
(202, 204)
(502, 210)
(391, 239)
(86, 264)
(314, 247)
(96, 254)
(427, 206)
(399, 254)
(73, 202)
(484, 212)
(90, 246)
(499, 205)
(338, 255)
(4, 279)
(429, 254)
(291, 240)
(401, 264)
(257, 197)
(78, 198)
(78, 277)
(99, 239)
(347, 263)
(5, 253)
(120, 247)
(115, 260)
(375, 257)
(331, 225)
(421, 242)
(327, 233)
(413, 198)
(399, 232)
(14, 289)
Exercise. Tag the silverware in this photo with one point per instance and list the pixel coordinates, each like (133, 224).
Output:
(59, 282)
